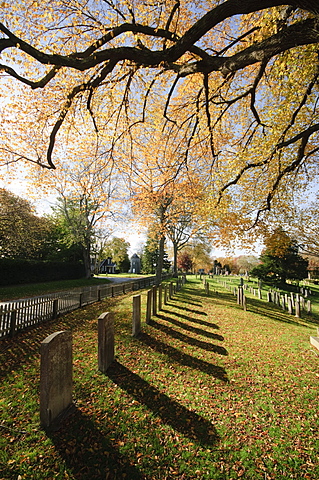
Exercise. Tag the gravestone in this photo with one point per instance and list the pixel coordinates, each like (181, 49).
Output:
(297, 308)
(290, 306)
(244, 302)
(136, 320)
(315, 340)
(105, 341)
(165, 294)
(283, 303)
(149, 306)
(154, 299)
(55, 377)
(160, 296)
(170, 290)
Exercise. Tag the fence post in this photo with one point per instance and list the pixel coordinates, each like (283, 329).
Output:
(55, 308)
(13, 322)
(136, 327)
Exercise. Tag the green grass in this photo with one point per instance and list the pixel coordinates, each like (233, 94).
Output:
(35, 289)
(207, 391)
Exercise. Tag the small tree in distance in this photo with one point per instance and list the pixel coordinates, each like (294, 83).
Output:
(184, 262)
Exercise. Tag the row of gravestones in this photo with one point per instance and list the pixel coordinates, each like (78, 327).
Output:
(56, 370)
(293, 303)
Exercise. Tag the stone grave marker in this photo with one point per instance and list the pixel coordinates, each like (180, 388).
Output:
(149, 306)
(154, 299)
(105, 341)
(55, 377)
(136, 320)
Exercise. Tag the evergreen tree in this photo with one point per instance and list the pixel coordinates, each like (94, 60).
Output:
(150, 256)
(280, 260)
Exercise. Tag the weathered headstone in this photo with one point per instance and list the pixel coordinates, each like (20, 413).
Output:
(297, 308)
(154, 299)
(160, 296)
(290, 306)
(136, 320)
(149, 306)
(165, 294)
(240, 296)
(314, 341)
(105, 341)
(55, 377)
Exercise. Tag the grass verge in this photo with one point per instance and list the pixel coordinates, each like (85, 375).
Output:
(207, 391)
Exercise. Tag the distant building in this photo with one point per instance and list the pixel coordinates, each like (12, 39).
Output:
(135, 264)
(107, 266)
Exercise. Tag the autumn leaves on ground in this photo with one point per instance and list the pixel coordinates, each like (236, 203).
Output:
(207, 391)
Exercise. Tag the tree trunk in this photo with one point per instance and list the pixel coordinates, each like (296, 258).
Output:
(175, 272)
(159, 267)
(87, 261)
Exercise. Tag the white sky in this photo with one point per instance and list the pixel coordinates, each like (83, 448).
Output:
(130, 232)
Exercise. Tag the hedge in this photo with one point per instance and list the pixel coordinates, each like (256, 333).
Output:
(18, 271)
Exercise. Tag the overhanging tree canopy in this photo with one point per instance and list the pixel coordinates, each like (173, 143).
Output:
(234, 82)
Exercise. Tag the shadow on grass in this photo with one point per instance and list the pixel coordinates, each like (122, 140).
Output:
(88, 453)
(189, 328)
(171, 412)
(189, 340)
(197, 312)
(24, 348)
(202, 323)
(183, 358)
(188, 298)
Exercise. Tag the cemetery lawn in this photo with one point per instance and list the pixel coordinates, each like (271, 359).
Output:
(37, 289)
(207, 391)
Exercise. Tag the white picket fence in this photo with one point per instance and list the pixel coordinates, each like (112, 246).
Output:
(18, 315)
